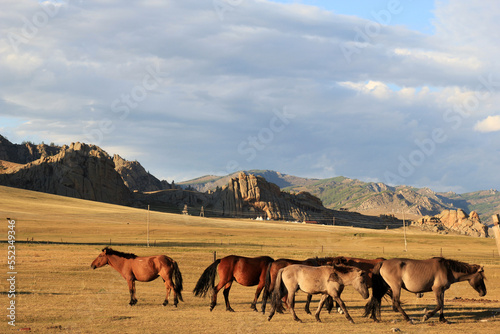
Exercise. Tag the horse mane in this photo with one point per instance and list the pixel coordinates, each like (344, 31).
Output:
(458, 266)
(111, 251)
(343, 269)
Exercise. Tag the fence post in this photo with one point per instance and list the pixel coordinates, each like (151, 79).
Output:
(496, 231)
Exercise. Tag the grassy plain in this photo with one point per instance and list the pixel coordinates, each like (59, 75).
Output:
(57, 291)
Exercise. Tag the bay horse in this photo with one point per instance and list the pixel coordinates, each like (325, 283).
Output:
(244, 270)
(325, 280)
(435, 274)
(144, 269)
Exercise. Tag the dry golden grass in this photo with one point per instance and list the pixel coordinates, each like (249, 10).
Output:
(57, 291)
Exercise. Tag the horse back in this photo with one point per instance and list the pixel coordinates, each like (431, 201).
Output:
(414, 275)
(245, 270)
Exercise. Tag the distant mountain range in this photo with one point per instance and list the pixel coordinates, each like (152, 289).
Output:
(342, 193)
(86, 171)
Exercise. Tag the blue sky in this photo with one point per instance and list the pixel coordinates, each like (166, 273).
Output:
(416, 15)
(400, 92)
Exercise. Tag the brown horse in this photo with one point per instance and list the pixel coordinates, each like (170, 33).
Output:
(436, 274)
(272, 272)
(244, 270)
(144, 269)
(325, 280)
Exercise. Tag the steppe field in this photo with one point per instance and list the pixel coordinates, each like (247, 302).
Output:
(56, 290)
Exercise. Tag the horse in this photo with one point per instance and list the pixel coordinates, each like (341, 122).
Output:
(363, 264)
(272, 272)
(325, 280)
(435, 274)
(144, 269)
(246, 271)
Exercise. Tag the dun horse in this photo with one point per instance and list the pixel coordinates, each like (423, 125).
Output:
(272, 273)
(363, 264)
(144, 269)
(326, 280)
(436, 274)
(244, 270)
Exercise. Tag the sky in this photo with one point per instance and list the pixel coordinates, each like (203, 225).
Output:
(399, 92)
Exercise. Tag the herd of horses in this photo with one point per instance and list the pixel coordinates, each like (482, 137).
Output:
(279, 280)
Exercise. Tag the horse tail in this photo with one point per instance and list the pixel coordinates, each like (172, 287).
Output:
(177, 278)
(206, 280)
(279, 291)
(267, 285)
(379, 289)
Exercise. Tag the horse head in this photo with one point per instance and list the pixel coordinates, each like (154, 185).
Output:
(100, 260)
(360, 283)
(477, 281)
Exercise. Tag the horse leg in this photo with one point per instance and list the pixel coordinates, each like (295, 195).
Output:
(291, 304)
(131, 289)
(168, 287)
(340, 302)
(226, 296)
(283, 306)
(396, 304)
(439, 307)
(320, 306)
(222, 282)
(308, 301)
(257, 294)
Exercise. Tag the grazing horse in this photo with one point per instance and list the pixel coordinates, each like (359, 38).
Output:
(244, 270)
(144, 269)
(325, 280)
(272, 272)
(435, 274)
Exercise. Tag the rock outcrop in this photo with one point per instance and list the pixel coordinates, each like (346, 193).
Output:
(252, 196)
(79, 170)
(136, 178)
(457, 221)
(25, 153)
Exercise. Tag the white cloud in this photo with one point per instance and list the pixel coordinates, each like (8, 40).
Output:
(489, 124)
(220, 80)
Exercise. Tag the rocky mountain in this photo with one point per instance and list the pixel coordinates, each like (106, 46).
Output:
(26, 152)
(341, 193)
(251, 196)
(86, 171)
(79, 170)
(136, 178)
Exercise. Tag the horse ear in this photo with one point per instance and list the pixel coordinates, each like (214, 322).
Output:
(480, 270)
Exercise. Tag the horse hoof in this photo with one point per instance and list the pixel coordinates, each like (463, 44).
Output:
(229, 309)
(298, 320)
